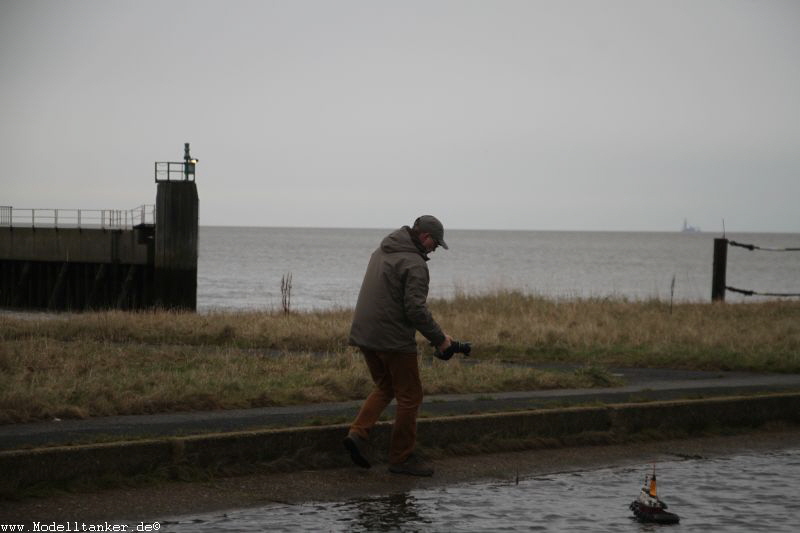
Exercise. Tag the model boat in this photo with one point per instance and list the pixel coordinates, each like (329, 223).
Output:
(648, 507)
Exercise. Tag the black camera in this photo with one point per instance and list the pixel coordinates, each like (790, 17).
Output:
(454, 348)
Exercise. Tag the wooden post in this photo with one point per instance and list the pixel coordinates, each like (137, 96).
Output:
(126, 285)
(54, 300)
(720, 267)
(21, 295)
(99, 276)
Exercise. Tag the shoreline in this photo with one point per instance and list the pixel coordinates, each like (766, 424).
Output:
(177, 498)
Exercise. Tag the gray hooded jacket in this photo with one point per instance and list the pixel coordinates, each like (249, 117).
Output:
(392, 304)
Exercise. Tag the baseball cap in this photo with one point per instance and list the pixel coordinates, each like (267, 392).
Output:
(430, 224)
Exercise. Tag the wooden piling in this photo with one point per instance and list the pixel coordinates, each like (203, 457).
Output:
(718, 282)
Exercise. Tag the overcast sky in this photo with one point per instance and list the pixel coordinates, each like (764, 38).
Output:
(544, 115)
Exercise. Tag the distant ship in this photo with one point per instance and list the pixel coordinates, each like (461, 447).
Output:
(689, 229)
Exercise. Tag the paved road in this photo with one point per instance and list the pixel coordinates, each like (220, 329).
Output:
(641, 385)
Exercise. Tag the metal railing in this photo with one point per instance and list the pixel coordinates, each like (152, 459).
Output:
(177, 171)
(77, 218)
(174, 171)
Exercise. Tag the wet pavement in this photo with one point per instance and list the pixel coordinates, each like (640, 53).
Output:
(737, 493)
(345, 487)
(640, 385)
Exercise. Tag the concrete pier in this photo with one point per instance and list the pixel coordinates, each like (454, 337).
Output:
(78, 260)
(176, 245)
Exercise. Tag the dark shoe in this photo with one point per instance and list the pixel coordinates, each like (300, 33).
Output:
(357, 447)
(413, 466)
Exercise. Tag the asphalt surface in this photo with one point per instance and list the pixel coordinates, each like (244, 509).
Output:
(640, 385)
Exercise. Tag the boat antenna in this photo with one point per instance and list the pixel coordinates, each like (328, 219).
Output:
(723, 228)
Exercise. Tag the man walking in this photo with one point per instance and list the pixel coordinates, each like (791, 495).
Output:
(391, 308)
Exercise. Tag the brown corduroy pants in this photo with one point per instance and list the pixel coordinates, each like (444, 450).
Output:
(396, 375)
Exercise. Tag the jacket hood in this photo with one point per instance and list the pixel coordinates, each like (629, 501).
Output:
(400, 241)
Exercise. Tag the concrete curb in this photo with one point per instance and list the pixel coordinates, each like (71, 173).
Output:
(321, 447)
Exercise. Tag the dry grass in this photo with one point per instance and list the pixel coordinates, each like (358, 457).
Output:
(44, 378)
(502, 325)
(113, 362)
(510, 325)
(267, 330)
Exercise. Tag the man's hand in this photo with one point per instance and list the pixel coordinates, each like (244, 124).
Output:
(449, 347)
(446, 344)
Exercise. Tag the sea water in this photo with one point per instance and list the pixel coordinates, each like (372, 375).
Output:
(242, 268)
(739, 494)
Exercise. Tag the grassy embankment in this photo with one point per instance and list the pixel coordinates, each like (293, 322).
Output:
(104, 363)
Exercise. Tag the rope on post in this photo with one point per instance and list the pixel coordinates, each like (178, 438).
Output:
(752, 247)
(755, 293)
(718, 286)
